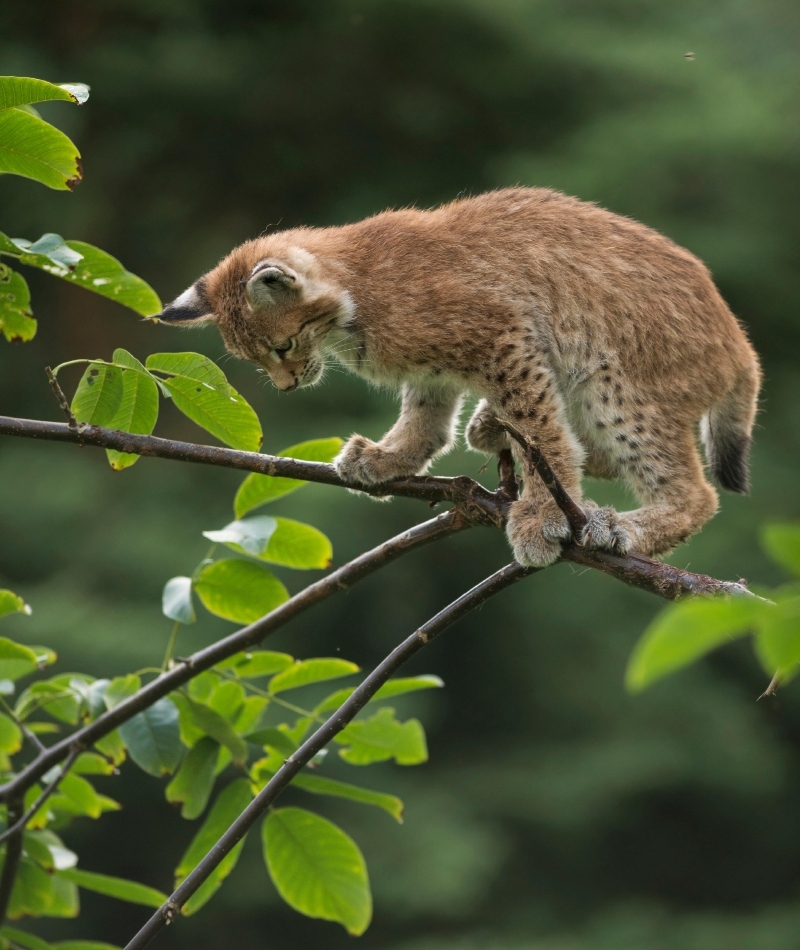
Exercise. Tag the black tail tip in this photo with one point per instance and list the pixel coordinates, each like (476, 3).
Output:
(729, 465)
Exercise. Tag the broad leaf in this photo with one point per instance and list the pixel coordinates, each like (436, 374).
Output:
(16, 660)
(50, 851)
(782, 543)
(383, 737)
(10, 603)
(298, 545)
(176, 601)
(99, 394)
(152, 738)
(257, 490)
(16, 318)
(39, 894)
(121, 687)
(117, 887)
(778, 640)
(274, 738)
(76, 795)
(686, 631)
(230, 803)
(22, 939)
(194, 780)
(304, 672)
(320, 785)
(317, 869)
(258, 663)
(21, 90)
(199, 389)
(49, 252)
(242, 591)
(33, 148)
(250, 536)
(137, 411)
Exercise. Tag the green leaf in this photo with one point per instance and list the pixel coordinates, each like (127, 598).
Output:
(121, 687)
(117, 887)
(257, 490)
(317, 868)
(228, 699)
(112, 746)
(383, 737)
(194, 780)
(33, 148)
(199, 389)
(58, 856)
(90, 763)
(237, 590)
(21, 90)
(153, 739)
(81, 795)
(256, 664)
(29, 941)
(274, 738)
(303, 672)
(10, 735)
(99, 394)
(230, 803)
(49, 252)
(39, 894)
(16, 318)
(320, 785)
(686, 631)
(84, 945)
(10, 603)
(782, 543)
(298, 545)
(211, 723)
(250, 536)
(137, 411)
(176, 601)
(16, 660)
(778, 640)
(395, 687)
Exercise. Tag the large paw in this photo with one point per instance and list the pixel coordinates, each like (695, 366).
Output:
(363, 462)
(605, 530)
(536, 531)
(485, 434)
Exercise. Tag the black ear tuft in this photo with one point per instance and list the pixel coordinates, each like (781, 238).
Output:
(192, 306)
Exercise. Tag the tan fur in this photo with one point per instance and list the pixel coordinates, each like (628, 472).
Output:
(600, 339)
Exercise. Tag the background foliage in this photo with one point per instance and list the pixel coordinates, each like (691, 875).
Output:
(557, 812)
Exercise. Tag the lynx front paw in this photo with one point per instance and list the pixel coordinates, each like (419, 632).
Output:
(605, 530)
(535, 532)
(485, 434)
(363, 462)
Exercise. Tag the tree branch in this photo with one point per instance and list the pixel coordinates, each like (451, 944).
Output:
(447, 523)
(19, 825)
(298, 760)
(13, 858)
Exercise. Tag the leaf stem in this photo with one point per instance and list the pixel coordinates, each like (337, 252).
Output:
(170, 645)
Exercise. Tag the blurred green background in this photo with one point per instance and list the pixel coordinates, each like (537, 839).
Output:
(557, 812)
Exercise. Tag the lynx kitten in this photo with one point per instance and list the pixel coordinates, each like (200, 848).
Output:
(600, 339)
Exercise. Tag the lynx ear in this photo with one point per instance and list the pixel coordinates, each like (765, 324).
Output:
(191, 307)
(267, 283)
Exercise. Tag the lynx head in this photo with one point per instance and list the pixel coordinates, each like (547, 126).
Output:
(273, 306)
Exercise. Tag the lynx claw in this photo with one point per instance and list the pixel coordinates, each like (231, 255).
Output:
(363, 462)
(605, 531)
(536, 531)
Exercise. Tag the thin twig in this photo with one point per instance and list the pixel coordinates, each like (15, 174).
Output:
(772, 689)
(19, 825)
(441, 526)
(62, 399)
(298, 760)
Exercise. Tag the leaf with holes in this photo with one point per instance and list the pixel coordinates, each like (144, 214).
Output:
(98, 395)
(317, 868)
(257, 490)
(199, 389)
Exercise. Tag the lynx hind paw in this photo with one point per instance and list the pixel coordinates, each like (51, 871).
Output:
(605, 530)
(363, 462)
(484, 434)
(536, 532)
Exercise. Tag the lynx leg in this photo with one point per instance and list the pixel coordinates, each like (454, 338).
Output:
(676, 500)
(425, 429)
(483, 432)
(536, 526)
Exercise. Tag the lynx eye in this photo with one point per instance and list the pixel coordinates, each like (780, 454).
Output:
(284, 348)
